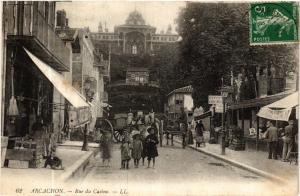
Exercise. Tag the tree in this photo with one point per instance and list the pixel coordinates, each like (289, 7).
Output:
(215, 41)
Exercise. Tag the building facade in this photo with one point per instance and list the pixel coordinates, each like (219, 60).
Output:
(130, 48)
(177, 99)
(87, 70)
(31, 51)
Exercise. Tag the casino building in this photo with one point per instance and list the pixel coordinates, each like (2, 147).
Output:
(129, 54)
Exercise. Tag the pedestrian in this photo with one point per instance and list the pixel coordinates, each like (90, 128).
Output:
(151, 142)
(143, 137)
(287, 139)
(199, 133)
(272, 138)
(183, 126)
(125, 153)
(105, 147)
(137, 148)
(190, 134)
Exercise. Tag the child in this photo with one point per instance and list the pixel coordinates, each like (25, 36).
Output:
(137, 148)
(151, 142)
(125, 153)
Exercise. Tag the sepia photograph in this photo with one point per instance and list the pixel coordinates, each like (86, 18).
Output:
(149, 98)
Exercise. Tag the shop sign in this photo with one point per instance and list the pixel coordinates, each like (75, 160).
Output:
(219, 108)
(215, 99)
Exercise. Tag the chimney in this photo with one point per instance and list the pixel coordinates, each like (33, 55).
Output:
(61, 18)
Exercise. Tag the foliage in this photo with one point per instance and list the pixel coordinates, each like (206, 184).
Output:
(215, 40)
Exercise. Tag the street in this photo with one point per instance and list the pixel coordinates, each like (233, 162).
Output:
(177, 171)
(79, 76)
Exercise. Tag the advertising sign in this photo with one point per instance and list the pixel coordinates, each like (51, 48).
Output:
(215, 99)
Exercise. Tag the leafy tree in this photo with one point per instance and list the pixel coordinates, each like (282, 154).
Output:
(215, 41)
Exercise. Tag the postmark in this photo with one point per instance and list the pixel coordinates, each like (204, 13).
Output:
(273, 23)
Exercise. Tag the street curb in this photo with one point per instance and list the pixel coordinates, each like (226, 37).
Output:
(239, 165)
(76, 168)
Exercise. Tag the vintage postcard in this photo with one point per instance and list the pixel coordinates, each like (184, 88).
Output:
(149, 98)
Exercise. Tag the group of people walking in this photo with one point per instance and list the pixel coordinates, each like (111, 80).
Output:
(186, 129)
(142, 146)
(138, 142)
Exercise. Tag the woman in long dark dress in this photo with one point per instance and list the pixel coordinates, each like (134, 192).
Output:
(151, 142)
(105, 147)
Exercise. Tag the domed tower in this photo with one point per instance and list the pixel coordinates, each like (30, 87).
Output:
(135, 34)
(135, 18)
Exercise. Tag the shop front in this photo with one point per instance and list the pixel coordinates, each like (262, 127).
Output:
(29, 108)
(245, 117)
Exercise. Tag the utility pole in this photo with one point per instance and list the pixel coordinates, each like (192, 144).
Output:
(223, 128)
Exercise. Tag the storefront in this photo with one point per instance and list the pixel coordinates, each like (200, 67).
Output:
(244, 116)
(29, 108)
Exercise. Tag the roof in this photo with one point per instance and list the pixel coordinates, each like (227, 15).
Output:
(185, 89)
(259, 102)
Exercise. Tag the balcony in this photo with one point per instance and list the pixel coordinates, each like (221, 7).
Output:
(36, 35)
(124, 83)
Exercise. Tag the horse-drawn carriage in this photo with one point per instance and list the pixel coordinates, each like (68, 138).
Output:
(172, 127)
(120, 127)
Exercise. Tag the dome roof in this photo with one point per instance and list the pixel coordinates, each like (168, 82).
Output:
(135, 18)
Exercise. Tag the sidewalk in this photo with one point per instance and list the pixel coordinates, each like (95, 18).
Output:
(254, 161)
(73, 159)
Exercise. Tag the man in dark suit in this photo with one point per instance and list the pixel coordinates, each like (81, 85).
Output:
(272, 138)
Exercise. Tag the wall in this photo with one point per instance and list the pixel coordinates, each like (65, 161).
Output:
(58, 111)
(77, 72)
(89, 70)
(188, 102)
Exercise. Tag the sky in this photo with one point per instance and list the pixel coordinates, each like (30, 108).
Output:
(88, 14)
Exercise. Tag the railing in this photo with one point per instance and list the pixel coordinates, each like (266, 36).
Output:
(34, 24)
(126, 83)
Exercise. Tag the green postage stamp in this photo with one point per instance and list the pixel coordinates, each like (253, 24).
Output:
(273, 23)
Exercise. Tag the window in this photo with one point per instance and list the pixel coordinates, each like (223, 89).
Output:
(141, 79)
(134, 49)
(178, 102)
(46, 11)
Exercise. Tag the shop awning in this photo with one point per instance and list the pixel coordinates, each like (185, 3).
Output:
(204, 115)
(281, 109)
(59, 82)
